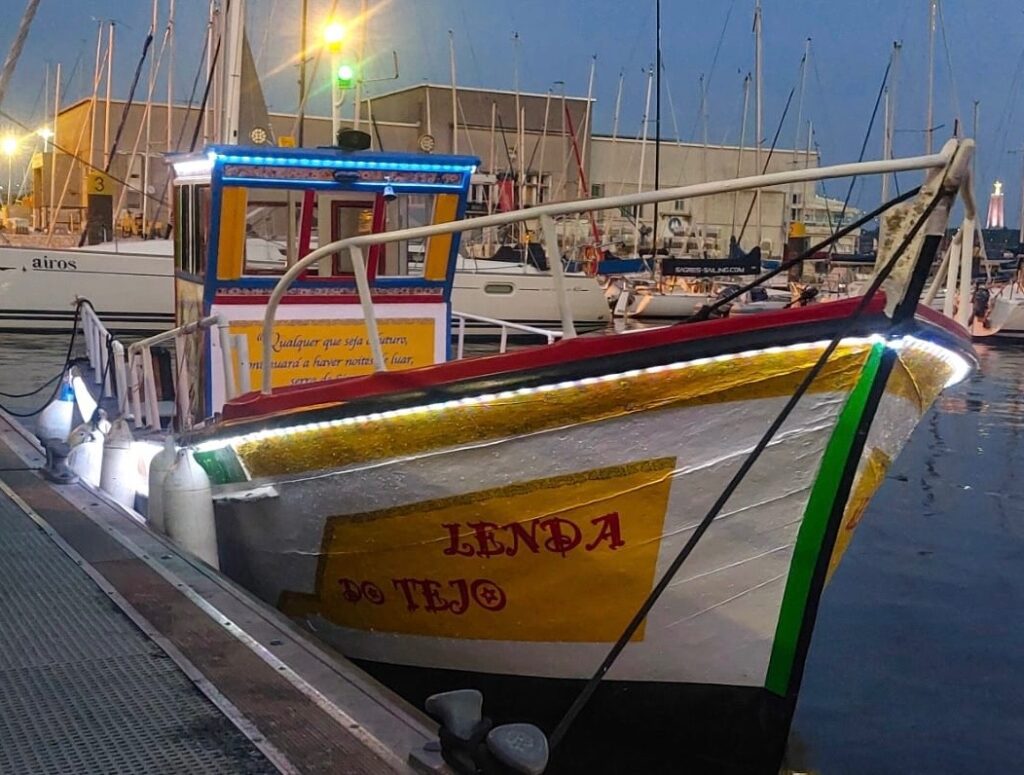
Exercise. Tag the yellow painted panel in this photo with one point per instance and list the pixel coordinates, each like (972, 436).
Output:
(315, 350)
(564, 559)
(231, 242)
(439, 248)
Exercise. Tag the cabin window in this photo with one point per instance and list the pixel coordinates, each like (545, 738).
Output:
(191, 228)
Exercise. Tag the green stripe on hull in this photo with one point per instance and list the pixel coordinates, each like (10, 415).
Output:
(809, 540)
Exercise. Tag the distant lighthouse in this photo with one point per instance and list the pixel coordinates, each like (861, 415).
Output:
(995, 208)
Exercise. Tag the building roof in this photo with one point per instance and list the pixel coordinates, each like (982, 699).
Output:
(476, 89)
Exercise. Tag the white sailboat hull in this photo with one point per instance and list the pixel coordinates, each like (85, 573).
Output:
(130, 292)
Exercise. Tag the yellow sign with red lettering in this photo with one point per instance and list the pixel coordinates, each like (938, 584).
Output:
(564, 559)
(315, 350)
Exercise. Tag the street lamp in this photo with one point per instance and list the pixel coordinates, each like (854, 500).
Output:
(333, 35)
(9, 145)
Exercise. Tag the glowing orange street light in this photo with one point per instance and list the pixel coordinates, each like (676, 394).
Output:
(334, 34)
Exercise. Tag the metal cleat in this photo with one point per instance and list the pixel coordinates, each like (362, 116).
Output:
(472, 747)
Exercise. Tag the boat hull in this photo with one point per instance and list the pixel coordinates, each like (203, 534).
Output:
(488, 539)
(1005, 320)
(525, 298)
(38, 289)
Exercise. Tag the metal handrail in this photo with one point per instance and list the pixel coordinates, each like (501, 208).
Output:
(96, 337)
(140, 359)
(546, 214)
(504, 325)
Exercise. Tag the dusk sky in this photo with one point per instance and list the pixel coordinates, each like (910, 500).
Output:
(851, 42)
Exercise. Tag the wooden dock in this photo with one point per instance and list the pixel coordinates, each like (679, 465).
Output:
(118, 653)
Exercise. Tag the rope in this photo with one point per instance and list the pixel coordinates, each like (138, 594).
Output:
(64, 368)
(591, 686)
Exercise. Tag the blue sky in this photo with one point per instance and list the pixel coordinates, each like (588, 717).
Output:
(851, 41)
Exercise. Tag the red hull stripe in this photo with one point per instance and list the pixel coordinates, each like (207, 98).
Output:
(559, 353)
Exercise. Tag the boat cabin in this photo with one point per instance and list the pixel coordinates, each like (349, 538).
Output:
(243, 216)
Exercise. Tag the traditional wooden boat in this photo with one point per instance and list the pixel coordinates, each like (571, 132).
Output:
(498, 522)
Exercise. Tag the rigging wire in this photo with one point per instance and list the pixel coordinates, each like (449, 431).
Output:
(748, 463)
(863, 150)
(954, 96)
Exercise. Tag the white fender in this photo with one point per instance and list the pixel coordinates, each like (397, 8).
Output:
(86, 456)
(117, 478)
(55, 420)
(159, 466)
(188, 508)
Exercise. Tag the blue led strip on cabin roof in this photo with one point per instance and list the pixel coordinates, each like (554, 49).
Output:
(341, 163)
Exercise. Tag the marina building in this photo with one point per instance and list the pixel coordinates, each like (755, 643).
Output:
(551, 152)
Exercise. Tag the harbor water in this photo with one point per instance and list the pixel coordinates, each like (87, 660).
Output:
(916, 663)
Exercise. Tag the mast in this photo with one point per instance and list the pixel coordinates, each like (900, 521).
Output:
(704, 162)
(643, 156)
(211, 22)
(655, 235)
(933, 7)
(303, 43)
(19, 42)
(358, 107)
(233, 32)
(53, 152)
(890, 124)
(618, 108)
(758, 109)
(787, 211)
(519, 125)
(739, 156)
(455, 95)
(97, 69)
(106, 111)
(543, 144)
(149, 125)
(170, 75)
(586, 122)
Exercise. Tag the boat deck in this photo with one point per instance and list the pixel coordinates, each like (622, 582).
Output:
(120, 654)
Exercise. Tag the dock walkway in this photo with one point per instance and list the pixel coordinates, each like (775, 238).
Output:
(120, 654)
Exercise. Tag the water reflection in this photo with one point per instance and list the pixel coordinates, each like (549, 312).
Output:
(916, 664)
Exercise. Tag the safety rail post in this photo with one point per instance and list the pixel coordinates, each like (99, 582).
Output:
(226, 354)
(120, 376)
(181, 378)
(242, 356)
(149, 385)
(462, 338)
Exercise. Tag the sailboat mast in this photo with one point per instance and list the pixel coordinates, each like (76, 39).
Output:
(758, 110)
(233, 33)
(170, 74)
(704, 162)
(643, 157)
(788, 209)
(739, 156)
(53, 152)
(657, 124)
(933, 7)
(618, 109)
(106, 109)
(455, 94)
(586, 122)
(149, 124)
(303, 31)
(358, 106)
